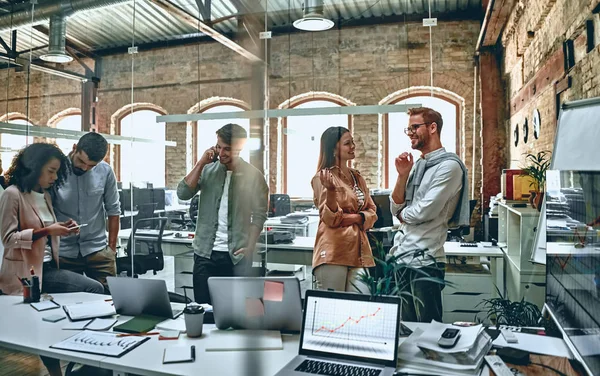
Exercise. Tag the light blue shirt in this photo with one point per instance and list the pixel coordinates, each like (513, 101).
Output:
(88, 198)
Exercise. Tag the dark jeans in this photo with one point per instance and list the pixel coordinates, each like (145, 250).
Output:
(430, 294)
(62, 280)
(219, 265)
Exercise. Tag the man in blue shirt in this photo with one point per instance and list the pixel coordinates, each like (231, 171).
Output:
(88, 196)
(231, 210)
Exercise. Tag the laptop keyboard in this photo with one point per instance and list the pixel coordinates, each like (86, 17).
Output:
(335, 369)
(176, 312)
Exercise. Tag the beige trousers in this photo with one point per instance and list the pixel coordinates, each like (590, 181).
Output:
(336, 277)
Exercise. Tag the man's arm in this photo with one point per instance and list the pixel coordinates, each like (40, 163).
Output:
(192, 183)
(258, 216)
(113, 209)
(446, 184)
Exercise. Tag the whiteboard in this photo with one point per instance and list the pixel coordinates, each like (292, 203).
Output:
(576, 142)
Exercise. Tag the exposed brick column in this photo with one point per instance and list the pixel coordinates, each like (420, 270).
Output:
(493, 131)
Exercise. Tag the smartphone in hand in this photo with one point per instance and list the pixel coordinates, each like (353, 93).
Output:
(215, 156)
(77, 226)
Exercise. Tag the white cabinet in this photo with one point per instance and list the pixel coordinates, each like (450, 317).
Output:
(516, 234)
(471, 284)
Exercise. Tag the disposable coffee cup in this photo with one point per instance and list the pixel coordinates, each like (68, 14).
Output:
(194, 320)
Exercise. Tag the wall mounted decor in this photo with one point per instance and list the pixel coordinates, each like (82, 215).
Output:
(516, 134)
(537, 122)
(525, 131)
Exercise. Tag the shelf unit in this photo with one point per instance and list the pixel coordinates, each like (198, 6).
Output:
(516, 235)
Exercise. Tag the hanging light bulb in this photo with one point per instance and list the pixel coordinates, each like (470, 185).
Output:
(313, 19)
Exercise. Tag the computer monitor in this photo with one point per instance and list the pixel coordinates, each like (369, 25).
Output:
(384, 215)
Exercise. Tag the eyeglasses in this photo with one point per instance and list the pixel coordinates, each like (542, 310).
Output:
(413, 128)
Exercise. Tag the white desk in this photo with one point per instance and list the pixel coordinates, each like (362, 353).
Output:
(25, 331)
(171, 245)
(169, 208)
(308, 228)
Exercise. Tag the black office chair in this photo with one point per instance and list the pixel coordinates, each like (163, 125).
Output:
(457, 234)
(148, 251)
(279, 205)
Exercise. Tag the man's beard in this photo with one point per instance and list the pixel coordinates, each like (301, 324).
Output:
(77, 171)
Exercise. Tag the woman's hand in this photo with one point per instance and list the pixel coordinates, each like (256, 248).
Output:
(351, 219)
(326, 178)
(59, 229)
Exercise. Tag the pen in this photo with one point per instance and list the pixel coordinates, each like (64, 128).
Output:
(21, 280)
(137, 334)
(193, 352)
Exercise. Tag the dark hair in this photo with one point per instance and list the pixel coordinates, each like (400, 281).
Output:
(94, 145)
(230, 132)
(429, 116)
(26, 166)
(329, 141)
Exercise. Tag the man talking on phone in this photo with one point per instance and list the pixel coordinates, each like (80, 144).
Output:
(88, 196)
(231, 210)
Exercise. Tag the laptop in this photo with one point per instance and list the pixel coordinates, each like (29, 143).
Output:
(347, 334)
(265, 303)
(136, 296)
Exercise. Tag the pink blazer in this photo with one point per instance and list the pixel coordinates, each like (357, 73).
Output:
(19, 217)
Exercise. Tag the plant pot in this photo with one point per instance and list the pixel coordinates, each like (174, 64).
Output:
(536, 199)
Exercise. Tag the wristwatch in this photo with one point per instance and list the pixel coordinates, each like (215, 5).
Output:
(362, 215)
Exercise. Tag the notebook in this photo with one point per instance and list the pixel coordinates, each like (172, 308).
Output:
(94, 324)
(345, 333)
(89, 310)
(179, 354)
(45, 305)
(139, 324)
(107, 344)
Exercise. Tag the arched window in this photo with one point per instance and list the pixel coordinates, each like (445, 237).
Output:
(142, 162)
(10, 144)
(205, 131)
(301, 145)
(396, 141)
(69, 122)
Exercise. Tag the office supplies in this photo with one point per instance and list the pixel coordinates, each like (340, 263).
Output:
(170, 325)
(93, 324)
(509, 336)
(35, 288)
(238, 302)
(45, 305)
(54, 318)
(513, 356)
(497, 365)
(107, 344)
(139, 324)
(136, 296)
(168, 335)
(327, 342)
(89, 310)
(237, 340)
(179, 354)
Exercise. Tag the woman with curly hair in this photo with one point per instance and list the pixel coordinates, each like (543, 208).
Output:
(30, 232)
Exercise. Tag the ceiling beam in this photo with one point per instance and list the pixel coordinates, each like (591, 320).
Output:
(205, 9)
(496, 17)
(195, 22)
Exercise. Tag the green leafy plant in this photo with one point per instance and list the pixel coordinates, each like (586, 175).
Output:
(502, 311)
(390, 274)
(538, 165)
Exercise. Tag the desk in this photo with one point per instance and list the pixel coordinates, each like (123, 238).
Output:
(171, 245)
(169, 208)
(308, 228)
(32, 335)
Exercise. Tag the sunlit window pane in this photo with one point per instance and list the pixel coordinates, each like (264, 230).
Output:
(72, 123)
(14, 142)
(143, 162)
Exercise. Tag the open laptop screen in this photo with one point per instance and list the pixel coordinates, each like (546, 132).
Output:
(351, 326)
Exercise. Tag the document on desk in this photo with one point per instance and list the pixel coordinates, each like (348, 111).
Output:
(94, 324)
(236, 340)
(99, 343)
(89, 310)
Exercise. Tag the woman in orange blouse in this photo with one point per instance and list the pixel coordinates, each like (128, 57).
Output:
(346, 212)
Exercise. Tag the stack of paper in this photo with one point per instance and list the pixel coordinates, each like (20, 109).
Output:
(420, 353)
(89, 310)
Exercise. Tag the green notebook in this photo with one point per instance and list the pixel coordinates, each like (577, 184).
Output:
(139, 324)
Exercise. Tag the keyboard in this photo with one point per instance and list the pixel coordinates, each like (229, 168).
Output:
(334, 369)
(176, 312)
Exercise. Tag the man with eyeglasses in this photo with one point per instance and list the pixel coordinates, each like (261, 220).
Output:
(430, 196)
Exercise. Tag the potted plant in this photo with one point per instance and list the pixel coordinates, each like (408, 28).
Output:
(502, 311)
(388, 276)
(538, 165)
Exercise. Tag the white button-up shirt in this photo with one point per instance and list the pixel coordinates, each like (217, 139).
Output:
(425, 220)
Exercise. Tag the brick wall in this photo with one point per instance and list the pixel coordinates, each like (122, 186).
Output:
(534, 36)
(363, 65)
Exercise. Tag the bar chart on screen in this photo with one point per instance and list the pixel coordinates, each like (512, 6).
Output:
(356, 328)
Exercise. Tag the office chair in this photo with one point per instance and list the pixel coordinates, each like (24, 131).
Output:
(457, 234)
(148, 251)
(279, 205)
